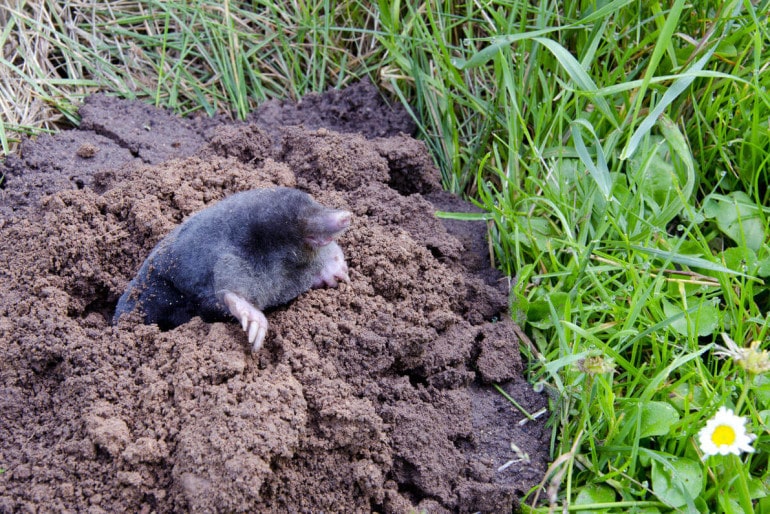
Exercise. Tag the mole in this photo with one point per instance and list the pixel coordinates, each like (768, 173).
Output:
(253, 250)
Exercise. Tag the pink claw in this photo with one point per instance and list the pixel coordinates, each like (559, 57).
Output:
(252, 320)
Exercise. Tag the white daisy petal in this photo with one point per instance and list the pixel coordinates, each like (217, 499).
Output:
(724, 434)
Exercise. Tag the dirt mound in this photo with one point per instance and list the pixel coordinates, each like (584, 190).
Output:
(371, 397)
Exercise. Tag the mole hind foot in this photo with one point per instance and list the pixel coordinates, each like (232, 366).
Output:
(252, 320)
(334, 270)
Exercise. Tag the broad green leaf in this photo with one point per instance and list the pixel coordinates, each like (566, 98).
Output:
(703, 317)
(761, 388)
(726, 50)
(597, 493)
(738, 217)
(538, 228)
(657, 418)
(564, 176)
(657, 176)
(541, 309)
(686, 396)
(763, 266)
(757, 488)
(741, 259)
(729, 505)
(676, 480)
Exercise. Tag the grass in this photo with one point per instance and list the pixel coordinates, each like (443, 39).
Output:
(190, 56)
(618, 148)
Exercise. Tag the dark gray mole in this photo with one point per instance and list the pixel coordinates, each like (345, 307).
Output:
(251, 251)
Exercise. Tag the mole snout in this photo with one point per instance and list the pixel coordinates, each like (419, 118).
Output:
(343, 219)
(326, 227)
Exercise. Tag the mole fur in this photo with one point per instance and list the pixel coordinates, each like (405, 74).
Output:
(253, 250)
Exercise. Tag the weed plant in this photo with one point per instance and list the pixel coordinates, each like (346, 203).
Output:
(618, 148)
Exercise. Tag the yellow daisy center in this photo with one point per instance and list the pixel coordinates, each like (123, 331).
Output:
(723, 434)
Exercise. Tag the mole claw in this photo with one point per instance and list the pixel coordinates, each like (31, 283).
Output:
(258, 340)
(253, 331)
(252, 319)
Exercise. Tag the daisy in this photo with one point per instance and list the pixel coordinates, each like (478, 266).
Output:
(752, 359)
(725, 433)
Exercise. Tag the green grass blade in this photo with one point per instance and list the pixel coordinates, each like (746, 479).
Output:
(691, 261)
(662, 45)
(599, 171)
(579, 76)
(671, 94)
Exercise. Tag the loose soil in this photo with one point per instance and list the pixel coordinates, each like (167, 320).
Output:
(375, 396)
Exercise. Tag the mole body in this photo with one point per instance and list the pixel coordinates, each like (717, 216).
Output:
(251, 251)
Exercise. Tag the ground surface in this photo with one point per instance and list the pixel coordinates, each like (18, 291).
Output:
(372, 397)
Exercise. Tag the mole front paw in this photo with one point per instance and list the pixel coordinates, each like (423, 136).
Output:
(252, 319)
(334, 270)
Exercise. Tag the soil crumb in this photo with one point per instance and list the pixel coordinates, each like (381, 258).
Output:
(373, 397)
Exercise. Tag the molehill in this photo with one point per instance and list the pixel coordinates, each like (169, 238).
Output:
(375, 396)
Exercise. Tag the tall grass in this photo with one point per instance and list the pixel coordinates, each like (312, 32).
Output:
(189, 56)
(621, 153)
(619, 149)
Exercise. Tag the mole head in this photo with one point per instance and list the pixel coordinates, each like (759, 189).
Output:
(288, 218)
(320, 225)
